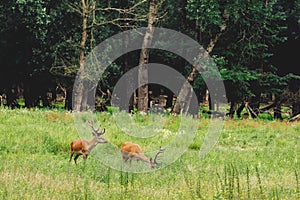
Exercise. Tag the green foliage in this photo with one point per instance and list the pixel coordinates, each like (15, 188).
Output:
(238, 75)
(258, 30)
(38, 37)
(237, 81)
(34, 16)
(276, 84)
(252, 31)
(207, 12)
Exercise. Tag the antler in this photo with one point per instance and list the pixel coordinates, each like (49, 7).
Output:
(91, 123)
(161, 150)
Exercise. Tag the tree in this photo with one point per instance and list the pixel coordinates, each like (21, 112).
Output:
(144, 57)
(250, 31)
(285, 58)
(44, 43)
(23, 33)
(93, 16)
(220, 19)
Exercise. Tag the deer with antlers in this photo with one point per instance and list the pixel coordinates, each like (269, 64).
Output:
(133, 151)
(84, 147)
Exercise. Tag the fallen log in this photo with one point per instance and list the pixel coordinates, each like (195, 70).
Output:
(295, 118)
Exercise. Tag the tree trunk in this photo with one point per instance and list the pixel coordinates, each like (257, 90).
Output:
(11, 98)
(123, 105)
(184, 94)
(277, 112)
(128, 106)
(31, 95)
(296, 104)
(169, 102)
(277, 108)
(255, 99)
(232, 109)
(79, 90)
(45, 100)
(255, 109)
(296, 109)
(206, 100)
(84, 98)
(211, 105)
(240, 109)
(68, 98)
(144, 58)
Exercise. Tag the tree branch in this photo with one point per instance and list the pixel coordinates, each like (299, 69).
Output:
(223, 28)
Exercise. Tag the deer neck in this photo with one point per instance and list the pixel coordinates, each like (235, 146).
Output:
(92, 144)
(143, 158)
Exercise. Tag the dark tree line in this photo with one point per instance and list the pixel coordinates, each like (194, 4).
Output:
(253, 42)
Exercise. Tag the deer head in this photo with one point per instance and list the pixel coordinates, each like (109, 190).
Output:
(153, 162)
(97, 133)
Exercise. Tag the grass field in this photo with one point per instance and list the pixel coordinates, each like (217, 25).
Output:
(253, 159)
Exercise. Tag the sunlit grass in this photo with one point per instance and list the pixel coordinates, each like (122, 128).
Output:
(256, 159)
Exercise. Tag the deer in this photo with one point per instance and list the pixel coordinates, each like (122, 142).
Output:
(133, 151)
(84, 147)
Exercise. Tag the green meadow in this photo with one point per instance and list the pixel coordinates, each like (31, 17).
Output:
(253, 159)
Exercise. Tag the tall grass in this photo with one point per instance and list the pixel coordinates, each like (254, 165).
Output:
(254, 159)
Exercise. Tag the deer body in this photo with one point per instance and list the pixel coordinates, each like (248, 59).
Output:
(133, 151)
(84, 147)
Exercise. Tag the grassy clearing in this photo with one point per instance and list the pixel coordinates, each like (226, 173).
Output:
(254, 159)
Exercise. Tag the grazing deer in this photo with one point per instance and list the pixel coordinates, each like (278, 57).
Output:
(84, 147)
(133, 151)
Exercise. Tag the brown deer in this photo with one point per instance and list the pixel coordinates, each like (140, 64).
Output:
(84, 147)
(133, 151)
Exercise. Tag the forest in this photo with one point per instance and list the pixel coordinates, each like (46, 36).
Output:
(149, 99)
(253, 43)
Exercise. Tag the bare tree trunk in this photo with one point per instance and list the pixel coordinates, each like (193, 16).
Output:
(206, 97)
(79, 90)
(211, 104)
(85, 95)
(88, 11)
(144, 58)
(183, 95)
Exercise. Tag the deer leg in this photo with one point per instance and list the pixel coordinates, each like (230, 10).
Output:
(84, 157)
(76, 157)
(71, 155)
(125, 159)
